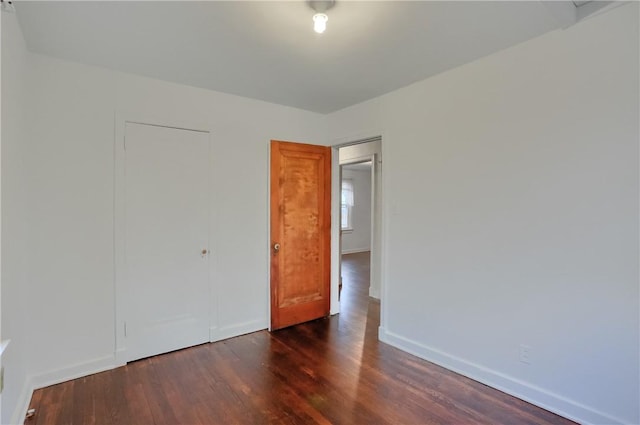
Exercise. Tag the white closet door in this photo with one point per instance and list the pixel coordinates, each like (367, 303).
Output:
(166, 233)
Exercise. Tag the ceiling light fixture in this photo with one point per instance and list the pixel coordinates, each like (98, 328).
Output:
(320, 18)
(320, 22)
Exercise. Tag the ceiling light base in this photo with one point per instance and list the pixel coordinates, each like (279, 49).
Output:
(321, 6)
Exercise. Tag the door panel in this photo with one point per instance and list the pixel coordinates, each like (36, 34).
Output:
(166, 231)
(300, 228)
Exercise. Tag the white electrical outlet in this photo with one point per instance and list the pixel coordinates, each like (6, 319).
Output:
(525, 354)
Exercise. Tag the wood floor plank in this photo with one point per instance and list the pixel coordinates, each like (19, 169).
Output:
(329, 371)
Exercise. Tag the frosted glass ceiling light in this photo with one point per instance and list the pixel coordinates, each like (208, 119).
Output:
(320, 22)
(320, 18)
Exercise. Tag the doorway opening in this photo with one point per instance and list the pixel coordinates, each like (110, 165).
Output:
(355, 232)
(359, 228)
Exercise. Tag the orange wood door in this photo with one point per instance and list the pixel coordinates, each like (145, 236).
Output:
(300, 233)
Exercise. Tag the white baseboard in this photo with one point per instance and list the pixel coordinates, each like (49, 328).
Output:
(57, 376)
(374, 292)
(230, 331)
(120, 357)
(72, 372)
(18, 415)
(354, 250)
(538, 396)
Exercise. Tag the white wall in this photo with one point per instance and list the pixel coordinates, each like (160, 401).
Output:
(15, 308)
(359, 238)
(69, 164)
(511, 217)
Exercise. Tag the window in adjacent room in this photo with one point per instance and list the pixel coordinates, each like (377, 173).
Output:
(346, 214)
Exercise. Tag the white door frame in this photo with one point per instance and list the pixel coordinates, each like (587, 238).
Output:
(119, 254)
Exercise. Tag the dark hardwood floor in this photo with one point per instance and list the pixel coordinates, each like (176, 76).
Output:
(330, 371)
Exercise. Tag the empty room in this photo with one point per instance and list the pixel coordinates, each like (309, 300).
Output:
(320, 212)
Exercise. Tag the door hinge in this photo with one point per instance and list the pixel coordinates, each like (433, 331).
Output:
(125, 329)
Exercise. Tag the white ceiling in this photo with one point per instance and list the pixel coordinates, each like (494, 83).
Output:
(267, 49)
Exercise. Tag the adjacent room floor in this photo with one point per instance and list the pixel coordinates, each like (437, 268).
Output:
(330, 371)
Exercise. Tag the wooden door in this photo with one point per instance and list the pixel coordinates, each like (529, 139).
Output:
(300, 233)
(166, 226)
